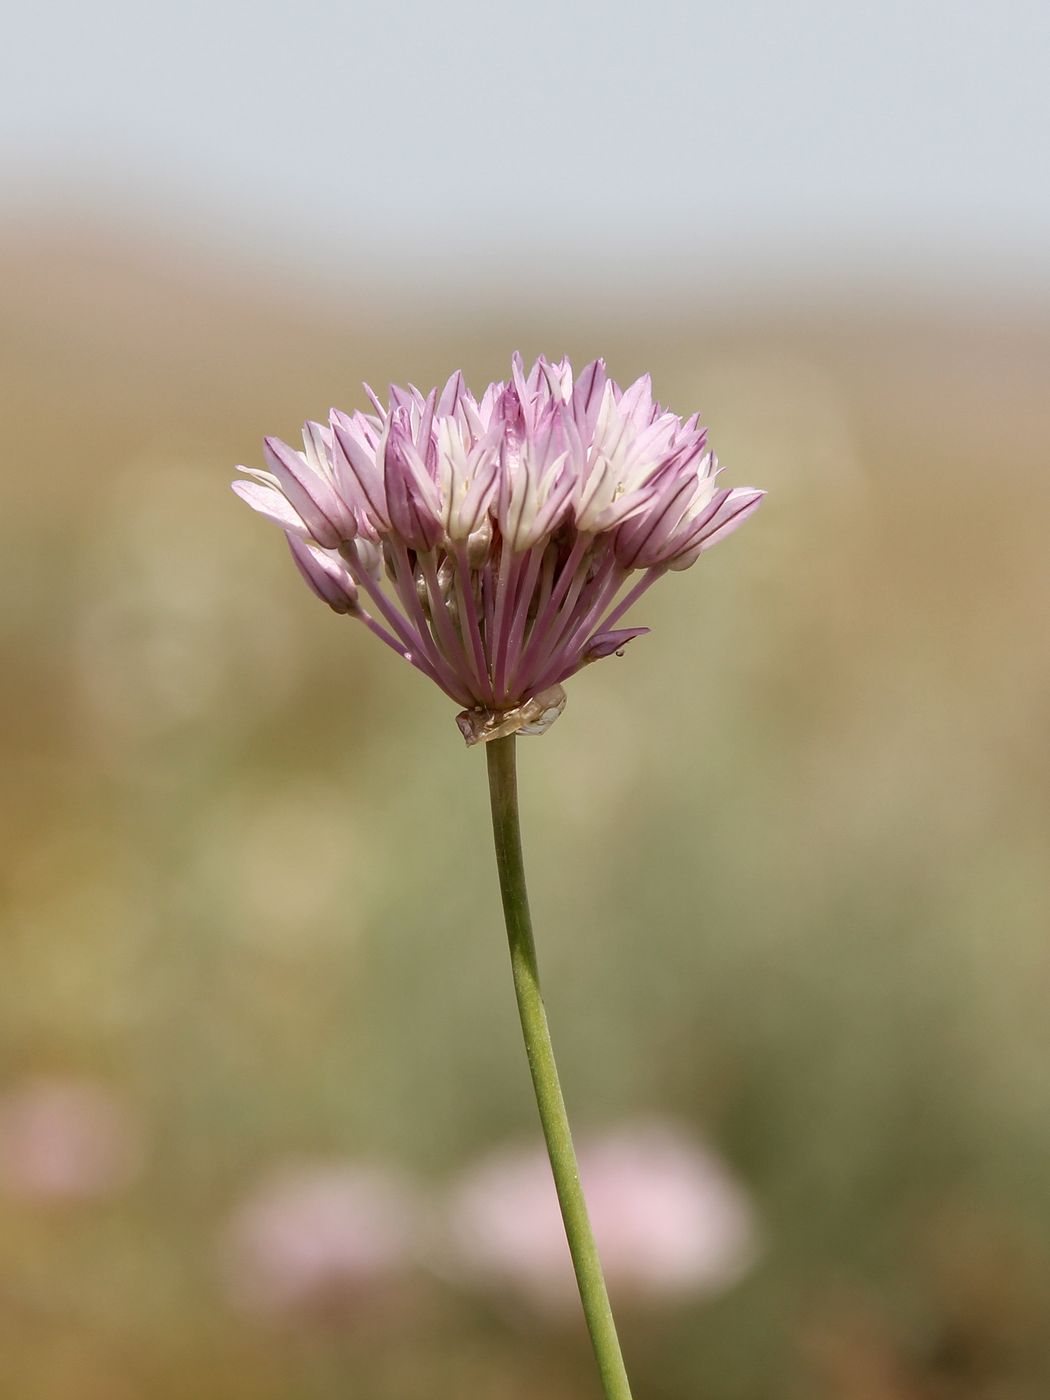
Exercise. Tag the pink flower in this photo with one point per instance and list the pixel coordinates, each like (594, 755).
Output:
(312, 1237)
(493, 543)
(668, 1218)
(65, 1140)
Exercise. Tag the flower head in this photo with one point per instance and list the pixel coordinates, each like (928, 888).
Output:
(317, 1235)
(66, 1140)
(669, 1218)
(498, 542)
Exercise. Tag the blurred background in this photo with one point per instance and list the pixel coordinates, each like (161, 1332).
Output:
(265, 1123)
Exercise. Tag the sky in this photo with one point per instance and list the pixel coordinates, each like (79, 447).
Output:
(612, 141)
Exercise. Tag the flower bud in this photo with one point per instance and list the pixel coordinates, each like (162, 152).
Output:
(326, 574)
(478, 544)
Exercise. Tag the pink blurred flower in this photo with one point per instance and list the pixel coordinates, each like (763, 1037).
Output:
(65, 1140)
(509, 529)
(314, 1237)
(668, 1218)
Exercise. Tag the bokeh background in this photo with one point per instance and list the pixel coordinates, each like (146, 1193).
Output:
(788, 856)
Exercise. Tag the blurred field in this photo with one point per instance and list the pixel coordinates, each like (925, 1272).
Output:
(788, 856)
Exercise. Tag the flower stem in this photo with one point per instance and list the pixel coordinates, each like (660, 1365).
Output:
(506, 827)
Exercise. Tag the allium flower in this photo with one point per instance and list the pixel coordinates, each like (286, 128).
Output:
(64, 1140)
(318, 1236)
(496, 544)
(669, 1219)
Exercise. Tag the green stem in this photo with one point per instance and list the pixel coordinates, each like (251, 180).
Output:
(503, 789)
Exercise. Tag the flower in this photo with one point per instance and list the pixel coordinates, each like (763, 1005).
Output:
(668, 1218)
(493, 543)
(319, 1236)
(65, 1140)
